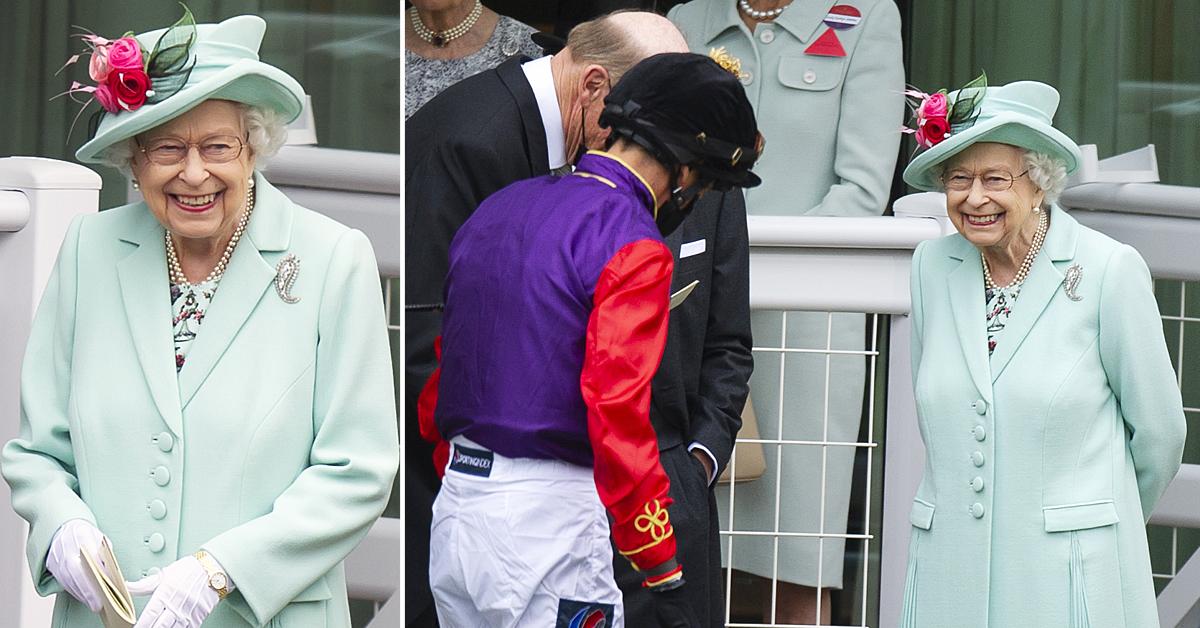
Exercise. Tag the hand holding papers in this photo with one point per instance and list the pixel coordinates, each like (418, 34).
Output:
(116, 610)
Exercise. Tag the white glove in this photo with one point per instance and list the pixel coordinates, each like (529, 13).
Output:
(66, 565)
(181, 596)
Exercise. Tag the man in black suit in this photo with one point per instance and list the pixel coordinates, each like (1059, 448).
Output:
(522, 119)
(698, 394)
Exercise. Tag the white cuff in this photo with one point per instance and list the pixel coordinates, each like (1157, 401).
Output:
(712, 477)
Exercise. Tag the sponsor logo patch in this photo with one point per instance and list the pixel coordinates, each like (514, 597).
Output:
(576, 614)
(471, 461)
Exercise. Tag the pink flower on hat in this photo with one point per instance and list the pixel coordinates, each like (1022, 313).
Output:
(106, 98)
(934, 106)
(125, 54)
(934, 114)
(99, 68)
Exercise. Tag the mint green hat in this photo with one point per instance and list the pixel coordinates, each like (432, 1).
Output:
(226, 68)
(1019, 114)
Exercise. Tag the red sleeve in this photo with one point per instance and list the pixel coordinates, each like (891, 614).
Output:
(626, 334)
(426, 405)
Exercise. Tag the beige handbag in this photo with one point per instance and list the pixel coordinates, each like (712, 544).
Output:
(748, 457)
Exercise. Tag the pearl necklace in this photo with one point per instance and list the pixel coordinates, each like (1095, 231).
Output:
(176, 271)
(442, 38)
(1039, 237)
(744, 5)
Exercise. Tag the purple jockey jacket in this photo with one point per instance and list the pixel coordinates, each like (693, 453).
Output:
(523, 270)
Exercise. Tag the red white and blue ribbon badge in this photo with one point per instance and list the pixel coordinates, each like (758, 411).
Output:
(843, 16)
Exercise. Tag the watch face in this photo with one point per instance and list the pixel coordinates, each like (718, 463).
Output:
(217, 581)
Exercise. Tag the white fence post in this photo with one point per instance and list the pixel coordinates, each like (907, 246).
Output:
(38, 199)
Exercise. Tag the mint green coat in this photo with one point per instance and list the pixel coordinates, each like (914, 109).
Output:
(275, 447)
(1044, 461)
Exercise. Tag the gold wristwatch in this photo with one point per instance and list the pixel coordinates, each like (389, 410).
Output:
(216, 578)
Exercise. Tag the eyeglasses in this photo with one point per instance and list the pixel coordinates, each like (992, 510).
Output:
(993, 180)
(217, 149)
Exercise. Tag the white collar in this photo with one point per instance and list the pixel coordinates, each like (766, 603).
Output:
(541, 79)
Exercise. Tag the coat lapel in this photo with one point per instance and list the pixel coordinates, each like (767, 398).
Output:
(146, 295)
(514, 80)
(966, 301)
(246, 280)
(1041, 286)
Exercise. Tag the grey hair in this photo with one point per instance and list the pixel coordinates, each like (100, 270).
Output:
(265, 128)
(1048, 173)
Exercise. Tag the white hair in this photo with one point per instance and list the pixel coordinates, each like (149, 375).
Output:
(1048, 173)
(265, 129)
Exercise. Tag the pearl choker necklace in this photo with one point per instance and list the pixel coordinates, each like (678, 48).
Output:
(744, 5)
(1039, 237)
(176, 271)
(442, 38)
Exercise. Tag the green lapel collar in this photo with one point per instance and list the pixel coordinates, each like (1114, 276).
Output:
(246, 280)
(967, 304)
(1041, 286)
(146, 295)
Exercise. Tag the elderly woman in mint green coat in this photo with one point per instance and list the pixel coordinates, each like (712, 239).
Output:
(826, 79)
(1045, 395)
(207, 386)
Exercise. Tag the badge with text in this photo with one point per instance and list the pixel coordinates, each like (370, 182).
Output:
(471, 461)
(575, 614)
(843, 16)
(827, 45)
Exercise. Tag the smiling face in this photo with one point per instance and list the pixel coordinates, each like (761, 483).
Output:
(196, 198)
(989, 213)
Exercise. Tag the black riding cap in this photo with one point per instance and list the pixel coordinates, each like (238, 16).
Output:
(686, 109)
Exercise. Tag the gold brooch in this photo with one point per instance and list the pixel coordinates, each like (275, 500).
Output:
(730, 63)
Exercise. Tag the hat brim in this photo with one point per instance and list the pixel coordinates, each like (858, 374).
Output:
(246, 81)
(1005, 128)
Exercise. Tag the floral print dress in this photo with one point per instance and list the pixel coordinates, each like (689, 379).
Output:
(188, 306)
(999, 308)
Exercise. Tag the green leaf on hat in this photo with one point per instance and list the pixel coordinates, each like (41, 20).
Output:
(966, 106)
(168, 66)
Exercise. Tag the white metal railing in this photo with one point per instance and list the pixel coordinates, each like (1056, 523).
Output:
(356, 188)
(14, 210)
(38, 200)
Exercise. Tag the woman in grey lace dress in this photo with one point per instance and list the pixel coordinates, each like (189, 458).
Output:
(445, 41)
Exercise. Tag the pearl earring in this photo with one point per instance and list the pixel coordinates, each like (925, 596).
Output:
(1037, 209)
(250, 182)
(135, 185)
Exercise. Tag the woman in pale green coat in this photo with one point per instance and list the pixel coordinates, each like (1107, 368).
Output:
(826, 80)
(1045, 395)
(207, 385)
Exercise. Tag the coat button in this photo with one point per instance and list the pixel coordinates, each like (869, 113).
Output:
(156, 542)
(767, 35)
(161, 475)
(977, 484)
(977, 510)
(979, 433)
(746, 78)
(164, 440)
(157, 508)
(980, 407)
(810, 77)
(977, 458)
